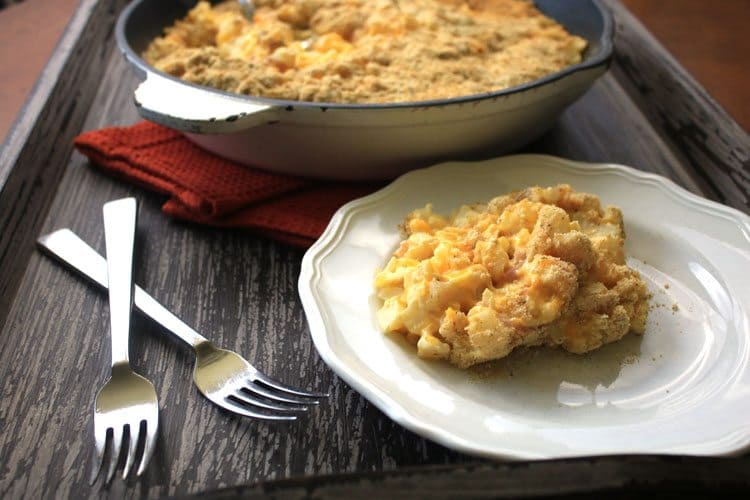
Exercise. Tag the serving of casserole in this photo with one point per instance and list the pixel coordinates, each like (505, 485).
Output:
(539, 266)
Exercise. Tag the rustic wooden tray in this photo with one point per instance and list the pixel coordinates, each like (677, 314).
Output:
(647, 112)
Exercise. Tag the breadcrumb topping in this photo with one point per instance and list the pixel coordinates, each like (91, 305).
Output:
(365, 51)
(542, 266)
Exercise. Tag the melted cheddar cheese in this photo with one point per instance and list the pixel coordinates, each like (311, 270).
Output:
(543, 266)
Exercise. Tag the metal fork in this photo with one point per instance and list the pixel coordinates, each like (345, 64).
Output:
(126, 408)
(223, 376)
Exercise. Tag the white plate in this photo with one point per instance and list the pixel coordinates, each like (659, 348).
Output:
(682, 388)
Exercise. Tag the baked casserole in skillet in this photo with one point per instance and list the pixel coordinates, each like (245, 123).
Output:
(363, 140)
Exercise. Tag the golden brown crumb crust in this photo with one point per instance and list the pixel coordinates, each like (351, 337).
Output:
(365, 51)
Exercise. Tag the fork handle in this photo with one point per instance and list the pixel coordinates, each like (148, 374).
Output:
(119, 237)
(71, 250)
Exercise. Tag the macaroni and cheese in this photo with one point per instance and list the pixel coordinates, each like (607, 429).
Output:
(543, 266)
(365, 51)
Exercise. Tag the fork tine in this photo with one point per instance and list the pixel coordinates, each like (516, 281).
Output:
(100, 439)
(234, 407)
(149, 444)
(133, 436)
(261, 391)
(115, 452)
(247, 398)
(286, 388)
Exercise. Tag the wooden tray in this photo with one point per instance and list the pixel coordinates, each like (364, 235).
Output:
(647, 112)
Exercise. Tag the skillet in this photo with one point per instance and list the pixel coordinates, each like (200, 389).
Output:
(360, 141)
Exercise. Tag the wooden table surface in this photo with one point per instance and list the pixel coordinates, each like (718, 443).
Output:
(646, 112)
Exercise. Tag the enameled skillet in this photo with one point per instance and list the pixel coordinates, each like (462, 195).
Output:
(360, 141)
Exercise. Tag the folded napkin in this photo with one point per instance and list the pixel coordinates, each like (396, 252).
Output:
(206, 189)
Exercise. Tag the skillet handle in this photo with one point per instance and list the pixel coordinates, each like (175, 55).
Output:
(191, 109)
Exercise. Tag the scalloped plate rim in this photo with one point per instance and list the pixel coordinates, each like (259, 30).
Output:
(337, 228)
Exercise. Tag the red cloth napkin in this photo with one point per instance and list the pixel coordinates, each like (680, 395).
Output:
(206, 189)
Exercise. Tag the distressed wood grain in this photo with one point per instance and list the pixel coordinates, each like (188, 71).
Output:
(240, 290)
(613, 477)
(702, 136)
(36, 151)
